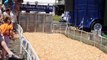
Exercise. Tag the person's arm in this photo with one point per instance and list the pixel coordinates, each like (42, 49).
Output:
(10, 53)
(4, 45)
(1, 18)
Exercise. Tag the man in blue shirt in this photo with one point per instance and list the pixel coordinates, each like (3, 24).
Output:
(9, 4)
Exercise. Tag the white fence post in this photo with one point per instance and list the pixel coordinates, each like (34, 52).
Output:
(24, 44)
(94, 40)
(81, 36)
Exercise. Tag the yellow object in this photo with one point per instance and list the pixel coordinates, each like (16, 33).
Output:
(6, 28)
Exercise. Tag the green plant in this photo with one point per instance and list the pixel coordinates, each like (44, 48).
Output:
(56, 18)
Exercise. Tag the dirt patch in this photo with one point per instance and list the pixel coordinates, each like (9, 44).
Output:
(59, 47)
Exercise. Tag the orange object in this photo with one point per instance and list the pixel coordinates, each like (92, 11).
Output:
(6, 28)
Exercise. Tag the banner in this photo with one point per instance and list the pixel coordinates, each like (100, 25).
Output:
(39, 8)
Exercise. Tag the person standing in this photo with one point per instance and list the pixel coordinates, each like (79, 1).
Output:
(9, 3)
(1, 14)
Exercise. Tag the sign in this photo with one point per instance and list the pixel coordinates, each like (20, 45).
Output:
(39, 8)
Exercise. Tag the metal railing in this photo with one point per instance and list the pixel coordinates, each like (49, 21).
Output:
(25, 47)
(43, 23)
(38, 21)
(82, 36)
(71, 32)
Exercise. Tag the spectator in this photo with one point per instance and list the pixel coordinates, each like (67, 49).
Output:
(9, 13)
(9, 3)
(7, 29)
(1, 14)
(4, 34)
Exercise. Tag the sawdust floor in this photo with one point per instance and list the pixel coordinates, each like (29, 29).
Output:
(59, 47)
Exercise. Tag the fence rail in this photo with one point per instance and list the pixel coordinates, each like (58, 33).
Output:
(44, 23)
(82, 36)
(25, 47)
(36, 22)
(71, 32)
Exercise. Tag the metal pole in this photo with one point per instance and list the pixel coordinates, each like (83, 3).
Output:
(81, 37)
(101, 40)
(94, 39)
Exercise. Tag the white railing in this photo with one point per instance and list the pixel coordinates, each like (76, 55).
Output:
(71, 32)
(25, 47)
(82, 36)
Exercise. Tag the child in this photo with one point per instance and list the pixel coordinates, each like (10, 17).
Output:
(7, 29)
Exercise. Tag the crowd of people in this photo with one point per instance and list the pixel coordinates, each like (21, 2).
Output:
(6, 30)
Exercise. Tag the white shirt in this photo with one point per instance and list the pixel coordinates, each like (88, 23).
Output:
(0, 12)
(12, 16)
(5, 14)
(4, 8)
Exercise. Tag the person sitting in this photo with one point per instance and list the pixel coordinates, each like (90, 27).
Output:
(7, 29)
